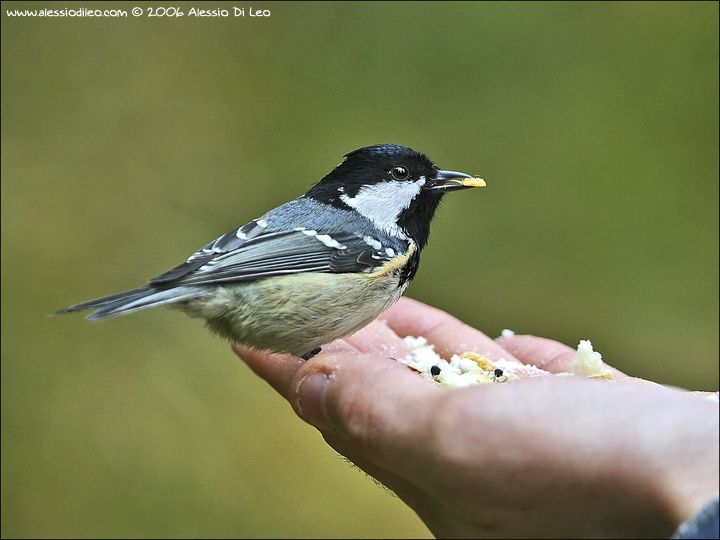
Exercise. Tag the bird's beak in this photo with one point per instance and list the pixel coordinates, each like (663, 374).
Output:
(451, 181)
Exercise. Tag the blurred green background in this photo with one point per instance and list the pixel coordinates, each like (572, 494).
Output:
(127, 143)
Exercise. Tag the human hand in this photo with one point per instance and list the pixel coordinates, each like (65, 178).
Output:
(545, 456)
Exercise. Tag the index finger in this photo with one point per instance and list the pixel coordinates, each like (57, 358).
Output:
(547, 354)
(449, 335)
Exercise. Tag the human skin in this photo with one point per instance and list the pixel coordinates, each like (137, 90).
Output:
(548, 456)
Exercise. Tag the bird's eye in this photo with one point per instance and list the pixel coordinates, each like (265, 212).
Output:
(400, 173)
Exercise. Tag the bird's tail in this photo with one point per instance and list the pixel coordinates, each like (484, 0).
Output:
(129, 301)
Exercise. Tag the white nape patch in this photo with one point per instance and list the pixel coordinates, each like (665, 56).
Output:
(372, 242)
(382, 203)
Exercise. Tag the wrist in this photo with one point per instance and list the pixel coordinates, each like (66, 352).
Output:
(689, 471)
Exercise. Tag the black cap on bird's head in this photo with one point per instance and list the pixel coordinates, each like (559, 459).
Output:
(396, 187)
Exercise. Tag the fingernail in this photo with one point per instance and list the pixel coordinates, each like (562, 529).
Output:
(311, 400)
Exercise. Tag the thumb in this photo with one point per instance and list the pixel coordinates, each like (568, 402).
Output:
(360, 396)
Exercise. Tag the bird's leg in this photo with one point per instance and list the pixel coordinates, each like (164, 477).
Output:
(309, 355)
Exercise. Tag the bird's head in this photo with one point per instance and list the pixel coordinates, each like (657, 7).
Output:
(395, 187)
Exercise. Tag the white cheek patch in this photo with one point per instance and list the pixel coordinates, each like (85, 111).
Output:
(382, 203)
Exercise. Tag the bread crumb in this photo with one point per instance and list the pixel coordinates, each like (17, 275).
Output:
(472, 368)
(482, 362)
(467, 369)
(607, 376)
(588, 363)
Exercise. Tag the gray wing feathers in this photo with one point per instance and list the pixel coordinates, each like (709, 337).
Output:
(262, 248)
(269, 255)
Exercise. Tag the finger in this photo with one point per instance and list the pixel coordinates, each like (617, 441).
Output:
(277, 369)
(546, 354)
(378, 338)
(365, 398)
(449, 335)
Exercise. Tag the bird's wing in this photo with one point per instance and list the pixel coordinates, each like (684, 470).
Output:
(252, 252)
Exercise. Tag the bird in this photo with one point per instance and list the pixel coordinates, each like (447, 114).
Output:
(315, 269)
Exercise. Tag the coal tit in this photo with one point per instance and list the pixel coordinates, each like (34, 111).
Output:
(315, 269)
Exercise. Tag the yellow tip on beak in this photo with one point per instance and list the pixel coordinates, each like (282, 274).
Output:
(473, 182)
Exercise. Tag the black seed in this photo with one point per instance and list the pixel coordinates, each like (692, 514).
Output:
(435, 370)
(498, 372)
